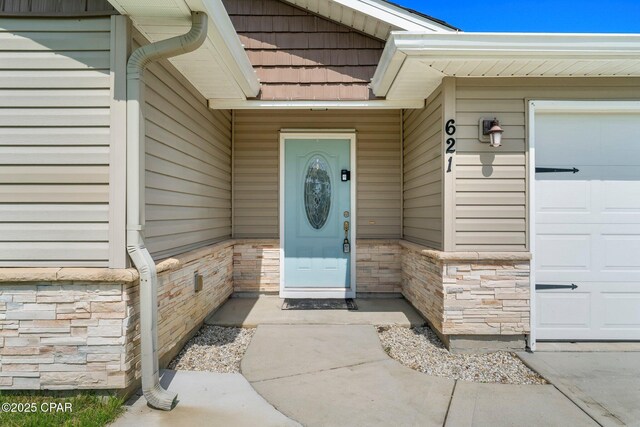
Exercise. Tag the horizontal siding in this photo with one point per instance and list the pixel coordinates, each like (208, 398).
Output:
(423, 210)
(56, 7)
(491, 185)
(256, 140)
(188, 165)
(54, 141)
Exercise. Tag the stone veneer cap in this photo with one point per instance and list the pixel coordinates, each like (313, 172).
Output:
(89, 274)
(178, 261)
(123, 275)
(466, 256)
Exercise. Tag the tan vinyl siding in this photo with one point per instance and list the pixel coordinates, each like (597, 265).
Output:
(188, 165)
(491, 199)
(54, 142)
(56, 8)
(423, 173)
(256, 141)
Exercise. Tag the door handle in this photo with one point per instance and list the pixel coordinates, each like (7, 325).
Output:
(346, 246)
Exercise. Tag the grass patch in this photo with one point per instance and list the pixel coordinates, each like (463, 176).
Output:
(36, 409)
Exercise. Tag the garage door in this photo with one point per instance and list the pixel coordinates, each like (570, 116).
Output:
(587, 249)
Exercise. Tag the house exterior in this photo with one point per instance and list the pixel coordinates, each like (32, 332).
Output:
(306, 148)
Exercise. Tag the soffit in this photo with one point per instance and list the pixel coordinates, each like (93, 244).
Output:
(219, 68)
(416, 63)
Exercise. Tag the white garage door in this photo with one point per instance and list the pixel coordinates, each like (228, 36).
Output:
(587, 226)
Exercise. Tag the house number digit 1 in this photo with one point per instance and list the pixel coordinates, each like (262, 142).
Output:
(450, 129)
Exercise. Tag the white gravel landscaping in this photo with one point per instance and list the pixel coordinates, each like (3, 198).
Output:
(420, 349)
(214, 349)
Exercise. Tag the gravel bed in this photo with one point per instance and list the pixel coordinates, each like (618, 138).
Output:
(214, 349)
(421, 349)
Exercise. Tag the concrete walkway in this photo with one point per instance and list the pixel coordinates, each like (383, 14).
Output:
(338, 375)
(606, 385)
(205, 399)
(266, 310)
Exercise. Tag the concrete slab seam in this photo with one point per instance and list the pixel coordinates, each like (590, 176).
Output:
(318, 371)
(453, 391)
(567, 393)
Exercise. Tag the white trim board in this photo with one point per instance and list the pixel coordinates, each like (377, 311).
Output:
(319, 292)
(601, 107)
(239, 104)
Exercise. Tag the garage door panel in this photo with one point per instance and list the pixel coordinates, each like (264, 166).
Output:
(567, 310)
(562, 136)
(621, 255)
(570, 197)
(621, 311)
(620, 131)
(593, 311)
(622, 193)
(588, 226)
(562, 253)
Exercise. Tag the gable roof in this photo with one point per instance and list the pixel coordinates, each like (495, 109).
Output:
(374, 17)
(298, 55)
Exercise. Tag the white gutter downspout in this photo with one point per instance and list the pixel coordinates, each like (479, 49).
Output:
(154, 393)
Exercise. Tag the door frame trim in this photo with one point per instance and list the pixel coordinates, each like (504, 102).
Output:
(550, 106)
(319, 292)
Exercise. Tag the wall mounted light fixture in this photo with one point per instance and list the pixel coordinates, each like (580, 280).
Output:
(490, 131)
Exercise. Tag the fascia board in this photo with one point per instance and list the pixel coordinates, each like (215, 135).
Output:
(393, 15)
(501, 45)
(238, 104)
(228, 45)
(388, 68)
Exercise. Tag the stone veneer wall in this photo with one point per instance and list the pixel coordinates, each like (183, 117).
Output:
(468, 293)
(79, 329)
(378, 266)
(181, 311)
(256, 266)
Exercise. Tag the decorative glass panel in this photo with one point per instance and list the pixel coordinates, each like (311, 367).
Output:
(317, 193)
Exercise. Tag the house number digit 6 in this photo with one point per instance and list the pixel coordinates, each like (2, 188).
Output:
(450, 129)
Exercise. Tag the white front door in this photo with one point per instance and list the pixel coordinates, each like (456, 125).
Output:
(587, 226)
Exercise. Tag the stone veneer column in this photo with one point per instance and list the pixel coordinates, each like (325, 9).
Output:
(469, 293)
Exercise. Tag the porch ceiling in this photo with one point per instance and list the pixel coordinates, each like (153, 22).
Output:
(415, 63)
(220, 69)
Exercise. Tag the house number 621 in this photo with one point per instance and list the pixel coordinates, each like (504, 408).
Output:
(450, 129)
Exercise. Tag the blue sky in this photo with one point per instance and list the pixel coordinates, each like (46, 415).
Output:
(566, 16)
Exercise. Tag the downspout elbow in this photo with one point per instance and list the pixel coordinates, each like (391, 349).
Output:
(154, 393)
(168, 48)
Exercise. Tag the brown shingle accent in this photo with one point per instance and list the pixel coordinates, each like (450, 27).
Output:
(301, 56)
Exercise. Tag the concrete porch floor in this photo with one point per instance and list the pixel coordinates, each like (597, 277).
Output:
(266, 310)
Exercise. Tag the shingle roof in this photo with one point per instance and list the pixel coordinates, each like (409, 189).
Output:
(424, 15)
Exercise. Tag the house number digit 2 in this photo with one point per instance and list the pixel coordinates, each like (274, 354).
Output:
(450, 129)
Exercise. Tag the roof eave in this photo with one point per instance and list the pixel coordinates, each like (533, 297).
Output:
(221, 35)
(496, 46)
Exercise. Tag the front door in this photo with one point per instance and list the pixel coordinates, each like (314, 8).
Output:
(317, 217)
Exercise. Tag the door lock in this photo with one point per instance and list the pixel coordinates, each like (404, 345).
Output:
(346, 246)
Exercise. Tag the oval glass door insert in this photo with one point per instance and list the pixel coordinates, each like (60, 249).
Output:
(317, 193)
